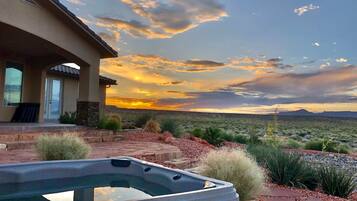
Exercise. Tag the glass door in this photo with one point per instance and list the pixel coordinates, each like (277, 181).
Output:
(53, 98)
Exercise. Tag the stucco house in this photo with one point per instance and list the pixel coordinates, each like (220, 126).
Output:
(36, 36)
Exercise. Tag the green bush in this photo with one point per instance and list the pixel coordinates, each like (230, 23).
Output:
(213, 136)
(344, 149)
(227, 136)
(68, 118)
(290, 170)
(152, 126)
(198, 132)
(253, 136)
(322, 145)
(260, 152)
(236, 167)
(65, 147)
(242, 139)
(110, 123)
(292, 144)
(336, 182)
(141, 120)
(171, 126)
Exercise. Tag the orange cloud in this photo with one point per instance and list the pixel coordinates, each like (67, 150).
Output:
(135, 103)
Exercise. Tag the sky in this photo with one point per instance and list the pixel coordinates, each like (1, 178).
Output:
(236, 56)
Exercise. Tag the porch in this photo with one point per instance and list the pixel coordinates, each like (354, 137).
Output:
(36, 37)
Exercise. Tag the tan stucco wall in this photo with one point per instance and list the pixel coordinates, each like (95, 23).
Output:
(70, 40)
(70, 91)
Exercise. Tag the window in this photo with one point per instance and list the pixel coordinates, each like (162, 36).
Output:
(13, 84)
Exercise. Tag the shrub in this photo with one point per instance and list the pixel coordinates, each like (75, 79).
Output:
(227, 136)
(113, 123)
(241, 139)
(213, 136)
(292, 144)
(65, 147)
(322, 145)
(336, 182)
(110, 123)
(289, 169)
(171, 126)
(152, 126)
(140, 121)
(260, 152)
(236, 167)
(344, 149)
(68, 118)
(197, 132)
(253, 136)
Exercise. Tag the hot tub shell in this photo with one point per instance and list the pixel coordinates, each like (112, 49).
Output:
(184, 185)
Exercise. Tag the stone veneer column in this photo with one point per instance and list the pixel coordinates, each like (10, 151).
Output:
(88, 103)
(87, 113)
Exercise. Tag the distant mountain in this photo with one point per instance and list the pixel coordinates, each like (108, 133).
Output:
(303, 112)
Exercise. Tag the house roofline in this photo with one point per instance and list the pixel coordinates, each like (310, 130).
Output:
(70, 15)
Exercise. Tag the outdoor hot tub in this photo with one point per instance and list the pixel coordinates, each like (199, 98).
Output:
(115, 179)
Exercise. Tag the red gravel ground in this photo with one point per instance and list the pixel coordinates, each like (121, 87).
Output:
(194, 148)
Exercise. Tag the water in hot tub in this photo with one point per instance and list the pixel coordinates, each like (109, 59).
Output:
(90, 188)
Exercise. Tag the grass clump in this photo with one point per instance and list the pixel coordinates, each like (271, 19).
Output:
(152, 126)
(68, 118)
(336, 182)
(171, 126)
(242, 139)
(65, 147)
(327, 145)
(141, 120)
(110, 123)
(289, 169)
(260, 152)
(236, 167)
(198, 132)
(292, 144)
(213, 136)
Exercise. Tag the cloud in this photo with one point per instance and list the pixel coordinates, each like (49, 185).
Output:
(259, 66)
(302, 10)
(316, 44)
(316, 85)
(165, 19)
(341, 60)
(111, 38)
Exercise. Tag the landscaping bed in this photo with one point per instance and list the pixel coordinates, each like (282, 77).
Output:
(194, 148)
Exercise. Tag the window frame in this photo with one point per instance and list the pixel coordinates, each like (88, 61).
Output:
(20, 67)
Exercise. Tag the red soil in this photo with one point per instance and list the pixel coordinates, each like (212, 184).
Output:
(194, 148)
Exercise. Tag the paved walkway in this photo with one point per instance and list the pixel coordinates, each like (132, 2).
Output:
(144, 150)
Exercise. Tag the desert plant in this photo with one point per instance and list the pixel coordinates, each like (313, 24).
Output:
(198, 132)
(322, 145)
(152, 126)
(289, 169)
(68, 118)
(236, 167)
(67, 147)
(336, 182)
(113, 123)
(344, 149)
(253, 136)
(227, 136)
(260, 152)
(171, 126)
(141, 120)
(292, 144)
(242, 139)
(213, 136)
(110, 123)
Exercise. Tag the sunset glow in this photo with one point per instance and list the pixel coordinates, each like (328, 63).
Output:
(245, 56)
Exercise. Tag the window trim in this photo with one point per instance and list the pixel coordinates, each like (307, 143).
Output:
(20, 67)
